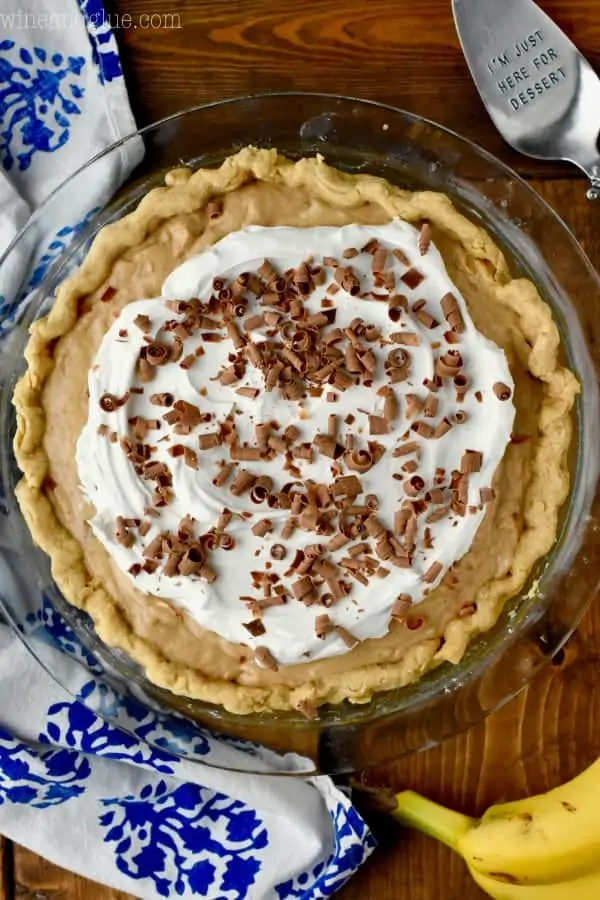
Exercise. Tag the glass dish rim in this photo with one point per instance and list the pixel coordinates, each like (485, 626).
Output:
(408, 117)
(259, 95)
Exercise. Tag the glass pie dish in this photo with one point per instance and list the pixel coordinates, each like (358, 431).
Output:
(355, 136)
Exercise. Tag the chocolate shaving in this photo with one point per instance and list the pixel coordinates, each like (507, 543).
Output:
(502, 391)
(430, 406)
(442, 428)
(255, 627)
(402, 604)
(323, 626)
(412, 278)
(250, 392)
(432, 572)
(461, 383)
(349, 639)
(122, 535)
(110, 402)
(471, 462)
(378, 425)
(264, 526)
(424, 240)
(452, 314)
(242, 483)
(486, 494)
(209, 440)
(265, 658)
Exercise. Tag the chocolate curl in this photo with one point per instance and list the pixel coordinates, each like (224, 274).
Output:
(188, 361)
(414, 486)
(348, 281)
(432, 572)
(109, 402)
(486, 495)
(378, 425)
(323, 626)
(209, 440)
(402, 604)
(406, 449)
(230, 375)
(338, 541)
(502, 391)
(358, 460)
(326, 444)
(342, 380)
(262, 489)
(461, 383)
(346, 486)
(407, 338)
(413, 405)
(397, 304)
(374, 527)
(143, 323)
(437, 515)
(192, 561)
(424, 240)
(260, 529)
(435, 495)
(122, 535)
(265, 658)
(430, 406)
(250, 392)
(245, 454)
(349, 639)
(252, 322)
(390, 403)
(460, 417)
(452, 313)
(471, 462)
(423, 429)
(156, 354)
(442, 428)
(401, 518)
(379, 260)
(426, 319)
(303, 587)
(235, 335)
(242, 482)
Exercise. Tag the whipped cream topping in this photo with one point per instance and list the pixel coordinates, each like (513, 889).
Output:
(437, 454)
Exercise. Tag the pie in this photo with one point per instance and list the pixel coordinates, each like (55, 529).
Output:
(293, 436)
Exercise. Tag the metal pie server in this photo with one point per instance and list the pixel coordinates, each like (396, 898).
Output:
(542, 94)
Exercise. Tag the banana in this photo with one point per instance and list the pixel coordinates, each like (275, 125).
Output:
(542, 840)
(585, 888)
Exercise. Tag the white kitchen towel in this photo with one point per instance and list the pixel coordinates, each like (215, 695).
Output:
(91, 777)
(62, 100)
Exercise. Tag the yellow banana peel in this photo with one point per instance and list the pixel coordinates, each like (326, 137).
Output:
(585, 888)
(545, 847)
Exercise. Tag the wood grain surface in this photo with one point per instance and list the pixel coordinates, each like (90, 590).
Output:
(406, 54)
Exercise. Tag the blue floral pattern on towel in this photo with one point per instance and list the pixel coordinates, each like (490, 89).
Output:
(187, 838)
(9, 309)
(39, 779)
(103, 44)
(353, 844)
(39, 96)
(49, 626)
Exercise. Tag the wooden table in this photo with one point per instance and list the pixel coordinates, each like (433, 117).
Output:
(404, 52)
